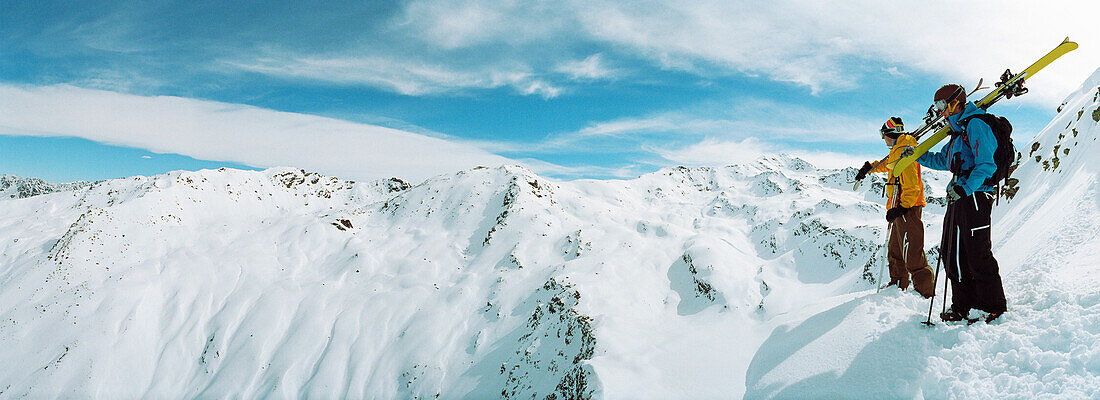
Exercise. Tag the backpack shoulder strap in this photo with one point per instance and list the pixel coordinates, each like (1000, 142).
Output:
(985, 117)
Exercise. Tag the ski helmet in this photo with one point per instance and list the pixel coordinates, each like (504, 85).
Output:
(892, 128)
(948, 95)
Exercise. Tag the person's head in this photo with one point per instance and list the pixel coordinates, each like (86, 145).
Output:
(891, 129)
(949, 99)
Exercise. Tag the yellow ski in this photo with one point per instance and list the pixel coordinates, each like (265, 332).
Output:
(1014, 81)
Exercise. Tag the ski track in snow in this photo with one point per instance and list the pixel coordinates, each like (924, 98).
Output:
(751, 280)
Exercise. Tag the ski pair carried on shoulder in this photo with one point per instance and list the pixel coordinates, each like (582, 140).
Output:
(1009, 86)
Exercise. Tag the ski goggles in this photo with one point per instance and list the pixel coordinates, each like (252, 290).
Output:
(892, 126)
(892, 131)
(941, 105)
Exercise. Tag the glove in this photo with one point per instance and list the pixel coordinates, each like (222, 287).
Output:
(896, 212)
(864, 170)
(954, 193)
(907, 151)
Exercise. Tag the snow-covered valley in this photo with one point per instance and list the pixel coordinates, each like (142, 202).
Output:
(754, 280)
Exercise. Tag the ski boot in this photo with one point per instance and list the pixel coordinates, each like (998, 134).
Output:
(952, 316)
(990, 317)
(902, 285)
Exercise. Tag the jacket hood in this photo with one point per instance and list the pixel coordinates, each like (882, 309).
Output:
(906, 140)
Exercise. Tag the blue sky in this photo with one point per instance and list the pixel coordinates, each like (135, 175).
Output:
(95, 90)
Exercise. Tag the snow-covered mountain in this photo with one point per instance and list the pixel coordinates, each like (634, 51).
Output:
(484, 283)
(17, 187)
(752, 280)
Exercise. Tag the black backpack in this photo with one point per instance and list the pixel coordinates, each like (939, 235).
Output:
(1005, 155)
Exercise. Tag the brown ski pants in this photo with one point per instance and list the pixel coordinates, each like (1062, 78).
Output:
(906, 253)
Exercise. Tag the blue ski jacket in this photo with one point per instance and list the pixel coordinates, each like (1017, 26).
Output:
(974, 148)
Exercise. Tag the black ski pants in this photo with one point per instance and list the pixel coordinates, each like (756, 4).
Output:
(967, 255)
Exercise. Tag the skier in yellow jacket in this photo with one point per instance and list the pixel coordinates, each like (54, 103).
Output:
(904, 203)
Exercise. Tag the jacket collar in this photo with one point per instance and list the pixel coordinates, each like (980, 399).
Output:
(970, 109)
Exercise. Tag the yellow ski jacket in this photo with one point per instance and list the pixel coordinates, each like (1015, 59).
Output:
(911, 184)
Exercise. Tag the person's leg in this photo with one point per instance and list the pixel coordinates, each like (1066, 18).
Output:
(961, 299)
(916, 262)
(895, 258)
(985, 284)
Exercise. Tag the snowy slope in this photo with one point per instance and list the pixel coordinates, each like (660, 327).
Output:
(485, 283)
(1047, 242)
(751, 280)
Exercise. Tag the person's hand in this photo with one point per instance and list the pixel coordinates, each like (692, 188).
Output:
(895, 212)
(864, 170)
(954, 193)
(907, 151)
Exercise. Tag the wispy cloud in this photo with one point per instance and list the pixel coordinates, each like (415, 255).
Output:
(817, 45)
(449, 46)
(717, 133)
(713, 152)
(584, 171)
(232, 132)
(737, 119)
(466, 24)
(591, 68)
(821, 44)
(629, 126)
(400, 75)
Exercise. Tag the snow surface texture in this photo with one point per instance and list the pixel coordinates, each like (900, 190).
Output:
(753, 280)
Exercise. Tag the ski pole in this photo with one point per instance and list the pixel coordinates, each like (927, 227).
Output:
(935, 280)
(885, 255)
(886, 248)
(945, 281)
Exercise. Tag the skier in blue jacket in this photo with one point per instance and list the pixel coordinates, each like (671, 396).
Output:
(965, 247)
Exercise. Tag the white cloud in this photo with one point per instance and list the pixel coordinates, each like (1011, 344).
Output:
(590, 68)
(895, 72)
(586, 171)
(711, 152)
(626, 126)
(817, 44)
(541, 88)
(230, 132)
(821, 45)
(402, 76)
(736, 120)
(766, 38)
(829, 159)
(429, 47)
(714, 152)
(463, 24)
